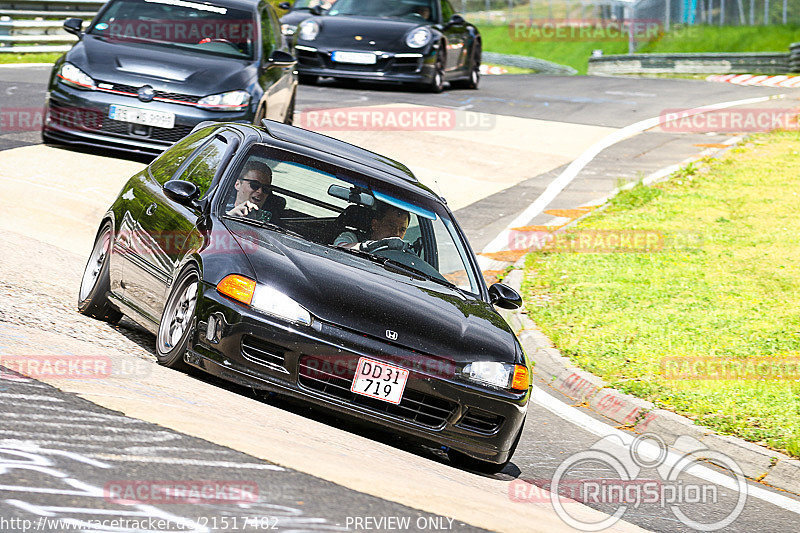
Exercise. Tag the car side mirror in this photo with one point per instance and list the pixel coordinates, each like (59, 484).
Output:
(73, 26)
(280, 59)
(316, 10)
(182, 192)
(456, 20)
(285, 5)
(504, 296)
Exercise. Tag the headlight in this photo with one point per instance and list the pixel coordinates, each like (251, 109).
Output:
(288, 29)
(263, 298)
(501, 375)
(273, 302)
(308, 30)
(226, 101)
(419, 37)
(75, 77)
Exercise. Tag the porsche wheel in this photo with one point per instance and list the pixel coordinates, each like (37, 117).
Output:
(178, 320)
(95, 283)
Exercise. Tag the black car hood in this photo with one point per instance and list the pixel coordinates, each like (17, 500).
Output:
(296, 17)
(167, 70)
(355, 294)
(341, 31)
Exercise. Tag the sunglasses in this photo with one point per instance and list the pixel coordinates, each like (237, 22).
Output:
(256, 185)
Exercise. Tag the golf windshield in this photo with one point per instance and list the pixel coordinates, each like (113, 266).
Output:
(179, 24)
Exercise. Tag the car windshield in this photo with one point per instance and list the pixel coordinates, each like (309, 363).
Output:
(332, 207)
(308, 4)
(179, 24)
(406, 9)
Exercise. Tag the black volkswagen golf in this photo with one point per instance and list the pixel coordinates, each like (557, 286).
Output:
(288, 261)
(145, 72)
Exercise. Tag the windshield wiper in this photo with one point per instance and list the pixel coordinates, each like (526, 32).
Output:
(266, 225)
(420, 274)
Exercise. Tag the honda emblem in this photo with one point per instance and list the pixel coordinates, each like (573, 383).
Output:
(391, 335)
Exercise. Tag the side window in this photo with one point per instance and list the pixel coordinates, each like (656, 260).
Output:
(203, 168)
(447, 11)
(168, 163)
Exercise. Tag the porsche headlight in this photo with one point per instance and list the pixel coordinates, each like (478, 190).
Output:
(500, 375)
(288, 29)
(308, 30)
(273, 302)
(75, 77)
(229, 101)
(419, 37)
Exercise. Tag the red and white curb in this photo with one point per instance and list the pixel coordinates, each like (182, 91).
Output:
(493, 70)
(762, 81)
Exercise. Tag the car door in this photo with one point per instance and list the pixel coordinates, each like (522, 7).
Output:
(164, 227)
(456, 36)
(276, 81)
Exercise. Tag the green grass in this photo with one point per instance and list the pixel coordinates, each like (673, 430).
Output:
(29, 58)
(726, 285)
(691, 39)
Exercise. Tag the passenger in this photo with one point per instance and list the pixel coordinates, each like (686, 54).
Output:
(387, 229)
(254, 198)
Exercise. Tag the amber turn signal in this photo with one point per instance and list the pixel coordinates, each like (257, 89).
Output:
(238, 288)
(522, 380)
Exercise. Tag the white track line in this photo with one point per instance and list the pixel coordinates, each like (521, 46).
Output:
(601, 429)
(565, 178)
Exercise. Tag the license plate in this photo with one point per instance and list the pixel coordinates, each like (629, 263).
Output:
(358, 58)
(146, 117)
(379, 380)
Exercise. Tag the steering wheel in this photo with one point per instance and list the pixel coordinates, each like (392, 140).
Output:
(390, 243)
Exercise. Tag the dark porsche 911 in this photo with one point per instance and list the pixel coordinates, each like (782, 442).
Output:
(260, 255)
(423, 42)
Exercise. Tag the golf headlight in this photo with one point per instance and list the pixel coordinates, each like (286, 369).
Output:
(225, 101)
(273, 302)
(75, 77)
(308, 30)
(500, 375)
(419, 37)
(288, 29)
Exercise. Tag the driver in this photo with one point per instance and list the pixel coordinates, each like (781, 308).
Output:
(387, 229)
(254, 198)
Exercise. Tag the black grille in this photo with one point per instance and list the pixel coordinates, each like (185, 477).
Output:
(481, 421)
(169, 135)
(159, 94)
(414, 407)
(261, 352)
(76, 117)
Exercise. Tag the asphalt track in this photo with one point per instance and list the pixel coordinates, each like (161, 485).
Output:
(585, 107)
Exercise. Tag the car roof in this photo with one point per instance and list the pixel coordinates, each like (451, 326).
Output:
(380, 167)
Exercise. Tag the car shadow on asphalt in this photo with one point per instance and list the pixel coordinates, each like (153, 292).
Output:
(138, 157)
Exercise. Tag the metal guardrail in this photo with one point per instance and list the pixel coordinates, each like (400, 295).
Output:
(794, 57)
(28, 26)
(712, 63)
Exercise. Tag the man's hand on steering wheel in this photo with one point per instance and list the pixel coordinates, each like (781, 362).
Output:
(392, 243)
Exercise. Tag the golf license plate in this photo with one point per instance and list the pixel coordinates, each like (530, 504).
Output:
(379, 380)
(357, 58)
(145, 117)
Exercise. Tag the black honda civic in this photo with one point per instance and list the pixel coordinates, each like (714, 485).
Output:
(287, 261)
(422, 42)
(145, 72)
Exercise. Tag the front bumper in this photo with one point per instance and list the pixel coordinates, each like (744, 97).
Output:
(79, 117)
(394, 67)
(317, 364)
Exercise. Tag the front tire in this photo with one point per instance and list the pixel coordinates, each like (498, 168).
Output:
(96, 282)
(177, 321)
(436, 84)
